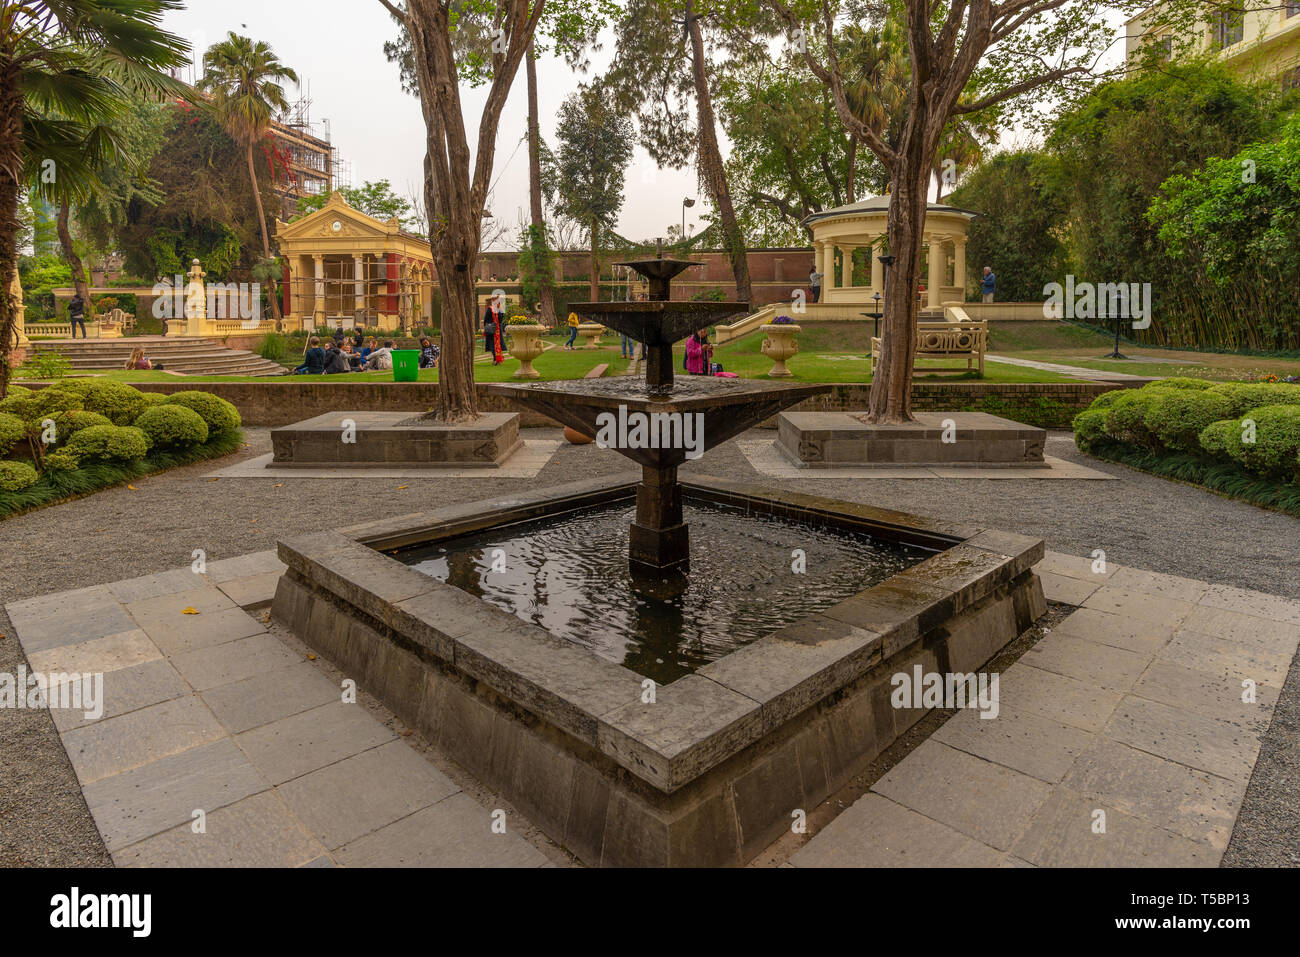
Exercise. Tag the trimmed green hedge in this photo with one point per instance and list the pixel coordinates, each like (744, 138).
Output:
(220, 415)
(1240, 435)
(16, 475)
(172, 426)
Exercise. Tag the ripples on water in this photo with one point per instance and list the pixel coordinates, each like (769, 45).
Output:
(569, 574)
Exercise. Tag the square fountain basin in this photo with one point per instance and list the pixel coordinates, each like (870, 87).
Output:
(704, 771)
(387, 439)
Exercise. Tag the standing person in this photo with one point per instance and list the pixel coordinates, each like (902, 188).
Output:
(492, 319)
(573, 331)
(699, 353)
(988, 284)
(815, 281)
(77, 315)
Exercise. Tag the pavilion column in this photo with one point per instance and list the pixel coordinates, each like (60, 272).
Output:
(959, 266)
(877, 269)
(826, 265)
(359, 283)
(846, 266)
(318, 307)
(933, 296)
(295, 293)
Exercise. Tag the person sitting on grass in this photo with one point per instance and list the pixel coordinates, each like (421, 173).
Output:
(335, 360)
(138, 360)
(428, 353)
(381, 359)
(313, 359)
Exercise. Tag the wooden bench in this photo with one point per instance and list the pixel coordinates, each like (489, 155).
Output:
(949, 339)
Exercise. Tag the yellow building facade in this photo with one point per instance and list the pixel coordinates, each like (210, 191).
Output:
(1258, 39)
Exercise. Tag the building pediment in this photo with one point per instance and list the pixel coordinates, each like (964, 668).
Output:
(336, 219)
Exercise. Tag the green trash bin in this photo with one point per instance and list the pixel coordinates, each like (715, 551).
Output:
(406, 365)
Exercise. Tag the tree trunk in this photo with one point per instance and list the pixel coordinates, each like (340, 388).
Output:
(11, 172)
(545, 294)
(457, 398)
(890, 401)
(70, 254)
(710, 162)
(848, 180)
(266, 239)
(595, 261)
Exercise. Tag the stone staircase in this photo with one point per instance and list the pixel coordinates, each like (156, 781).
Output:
(177, 354)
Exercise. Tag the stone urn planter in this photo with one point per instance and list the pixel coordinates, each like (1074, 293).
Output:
(526, 345)
(779, 346)
(590, 331)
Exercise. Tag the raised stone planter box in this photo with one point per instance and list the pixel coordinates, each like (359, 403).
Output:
(387, 439)
(976, 439)
(711, 771)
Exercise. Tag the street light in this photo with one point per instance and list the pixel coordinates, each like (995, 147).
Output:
(687, 203)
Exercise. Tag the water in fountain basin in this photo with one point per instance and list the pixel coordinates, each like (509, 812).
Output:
(569, 574)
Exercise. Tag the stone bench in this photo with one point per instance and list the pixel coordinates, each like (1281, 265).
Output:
(963, 339)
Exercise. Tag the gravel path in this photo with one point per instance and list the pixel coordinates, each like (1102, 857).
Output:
(1142, 521)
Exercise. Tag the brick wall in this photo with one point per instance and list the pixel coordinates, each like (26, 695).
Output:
(1048, 404)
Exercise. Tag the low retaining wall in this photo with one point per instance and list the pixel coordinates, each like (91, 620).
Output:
(1043, 404)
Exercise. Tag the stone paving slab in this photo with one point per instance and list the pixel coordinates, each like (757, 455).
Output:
(1131, 727)
(767, 459)
(531, 458)
(208, 712)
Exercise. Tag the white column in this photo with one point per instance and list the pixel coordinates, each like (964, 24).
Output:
(877, 269)
(959, 266)
(932, 294)
(318, 307)
(846, 266)
(358, 282)
(826, 265)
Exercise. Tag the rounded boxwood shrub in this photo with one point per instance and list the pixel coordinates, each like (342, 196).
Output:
(1180, 382)
(172, 426)
(67, 424)
(219, 414)
(154, 398)
(1126, 417)
(1216, 437)
(1277, 440)
(1107, 399)
(16, 475)
(12, 431)
(118, 401)
(62, 461)
(1245, 396)
(1089, 426)
(122, 443)
(40, 404)
(1178, 419)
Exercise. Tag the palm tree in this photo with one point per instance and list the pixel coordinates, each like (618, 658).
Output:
(63, 65)
(243, 77)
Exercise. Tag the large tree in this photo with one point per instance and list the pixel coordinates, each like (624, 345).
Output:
(1004, 50)
(244, 78)
(455, 194)
(663, 71)
(593, 148)
(57, 102)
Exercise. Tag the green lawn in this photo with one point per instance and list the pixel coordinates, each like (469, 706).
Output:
(1068, 344)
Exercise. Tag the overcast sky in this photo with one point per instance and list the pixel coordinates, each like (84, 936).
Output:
(337, 49)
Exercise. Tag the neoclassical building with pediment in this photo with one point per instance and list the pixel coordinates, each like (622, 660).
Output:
(344, 268)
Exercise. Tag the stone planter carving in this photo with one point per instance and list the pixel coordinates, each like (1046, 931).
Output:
(779, 346)
(526, 345)
(590, 331)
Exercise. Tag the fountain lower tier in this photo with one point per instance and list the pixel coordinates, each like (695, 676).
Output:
(659, 433)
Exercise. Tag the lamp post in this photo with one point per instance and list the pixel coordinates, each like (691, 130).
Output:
(1115, 353)
(877, 314)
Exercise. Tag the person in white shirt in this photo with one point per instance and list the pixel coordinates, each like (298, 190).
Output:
(381, 358)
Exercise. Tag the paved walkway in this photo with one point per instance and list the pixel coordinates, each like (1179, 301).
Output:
(1079, 372)
(220, 745)
(1122, 738)
(766, 459)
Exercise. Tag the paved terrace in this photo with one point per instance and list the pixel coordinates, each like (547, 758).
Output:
(1131, 706)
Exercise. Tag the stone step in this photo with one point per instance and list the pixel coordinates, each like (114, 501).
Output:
(191, 356)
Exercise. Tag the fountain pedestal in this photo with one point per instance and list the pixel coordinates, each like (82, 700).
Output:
(659, 539)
